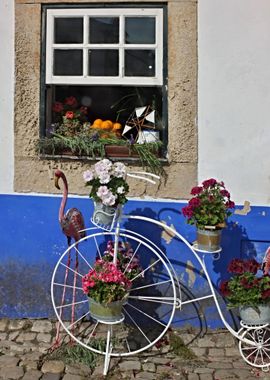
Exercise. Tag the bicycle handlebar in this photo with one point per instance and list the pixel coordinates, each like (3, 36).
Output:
(143, 176)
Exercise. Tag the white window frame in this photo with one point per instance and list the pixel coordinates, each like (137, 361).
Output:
(102, 80)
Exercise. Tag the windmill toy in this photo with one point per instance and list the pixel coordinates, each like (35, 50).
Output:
(140, 126)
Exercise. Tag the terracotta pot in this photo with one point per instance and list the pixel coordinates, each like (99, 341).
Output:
(208, 240)
(119, 151)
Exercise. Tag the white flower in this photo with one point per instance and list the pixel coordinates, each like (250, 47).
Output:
(103, 191)
(103, 166)
(88, 175)
(120, 170)
(109, 200)
(120, 190)
(104, 177)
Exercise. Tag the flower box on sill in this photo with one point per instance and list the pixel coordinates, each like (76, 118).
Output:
(119, 151)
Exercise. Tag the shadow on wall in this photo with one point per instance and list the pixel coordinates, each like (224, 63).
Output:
(32, 242)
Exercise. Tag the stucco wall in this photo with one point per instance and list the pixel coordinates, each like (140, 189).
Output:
(32, 173)
(234, 95)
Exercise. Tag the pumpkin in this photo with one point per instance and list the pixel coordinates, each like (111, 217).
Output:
(107, 124)
(117, 126)
(97, 123)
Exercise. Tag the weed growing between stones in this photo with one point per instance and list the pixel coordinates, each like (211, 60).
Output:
(77, 354)
(179, 348)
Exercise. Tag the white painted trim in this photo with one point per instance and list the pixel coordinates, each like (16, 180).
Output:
(121, 46)
(7, 80)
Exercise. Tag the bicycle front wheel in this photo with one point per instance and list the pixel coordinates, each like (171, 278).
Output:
(148, 311)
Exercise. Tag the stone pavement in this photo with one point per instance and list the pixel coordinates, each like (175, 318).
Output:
(24, 355)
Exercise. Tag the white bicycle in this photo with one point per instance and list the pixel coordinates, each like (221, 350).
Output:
(152, 301)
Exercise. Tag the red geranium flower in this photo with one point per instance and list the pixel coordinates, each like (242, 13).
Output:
(209, 182)
(71, 101)
(187, 211)
(230, 204)
(252, 266)
(266, 294)
(194, 202)
(58, 107)
(83, 110)
(69, 115)
(225, 193)
(236, 266)
(224, 288)
(196, 190)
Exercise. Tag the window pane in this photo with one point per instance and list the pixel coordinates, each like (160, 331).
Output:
(140, 63)
(103, 62)
(67, 62)
(140, 30)
(103, 30)
(68, 30)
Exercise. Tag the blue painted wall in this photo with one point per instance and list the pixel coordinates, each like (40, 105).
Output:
(32, 242)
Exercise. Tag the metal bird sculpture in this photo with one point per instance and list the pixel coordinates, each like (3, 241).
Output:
(72, 224)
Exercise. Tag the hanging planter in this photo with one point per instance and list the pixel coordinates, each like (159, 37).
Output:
(258, 315)
(107, 289)
(104, 215)
(208, 239)
(106, 312)
(209, 209)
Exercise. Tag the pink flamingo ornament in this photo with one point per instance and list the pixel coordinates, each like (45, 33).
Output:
(72, 224)
(266, 262)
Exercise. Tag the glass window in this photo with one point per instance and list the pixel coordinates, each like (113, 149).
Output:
(67, 62)
(103, 30)
(103, 62)
(126, 43)
(140, 30)
(140, 63)
(68, 30)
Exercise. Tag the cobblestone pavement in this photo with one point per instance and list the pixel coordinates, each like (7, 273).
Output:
(24, 345)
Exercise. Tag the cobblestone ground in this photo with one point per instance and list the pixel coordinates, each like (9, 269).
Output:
(24, 346)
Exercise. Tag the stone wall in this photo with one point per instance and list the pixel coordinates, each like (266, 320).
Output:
(33, 174)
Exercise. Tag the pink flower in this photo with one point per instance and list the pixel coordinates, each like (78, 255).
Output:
(88, 175)
(109, 199)
(103, 191)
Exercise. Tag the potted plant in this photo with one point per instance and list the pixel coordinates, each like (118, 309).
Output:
(108, 189)
(107, 289)
(249, 290)
(209, 209)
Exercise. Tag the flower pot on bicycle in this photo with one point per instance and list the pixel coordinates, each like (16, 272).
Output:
(208, 240)
(103, 214)
(258, 315)
(106, 312)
